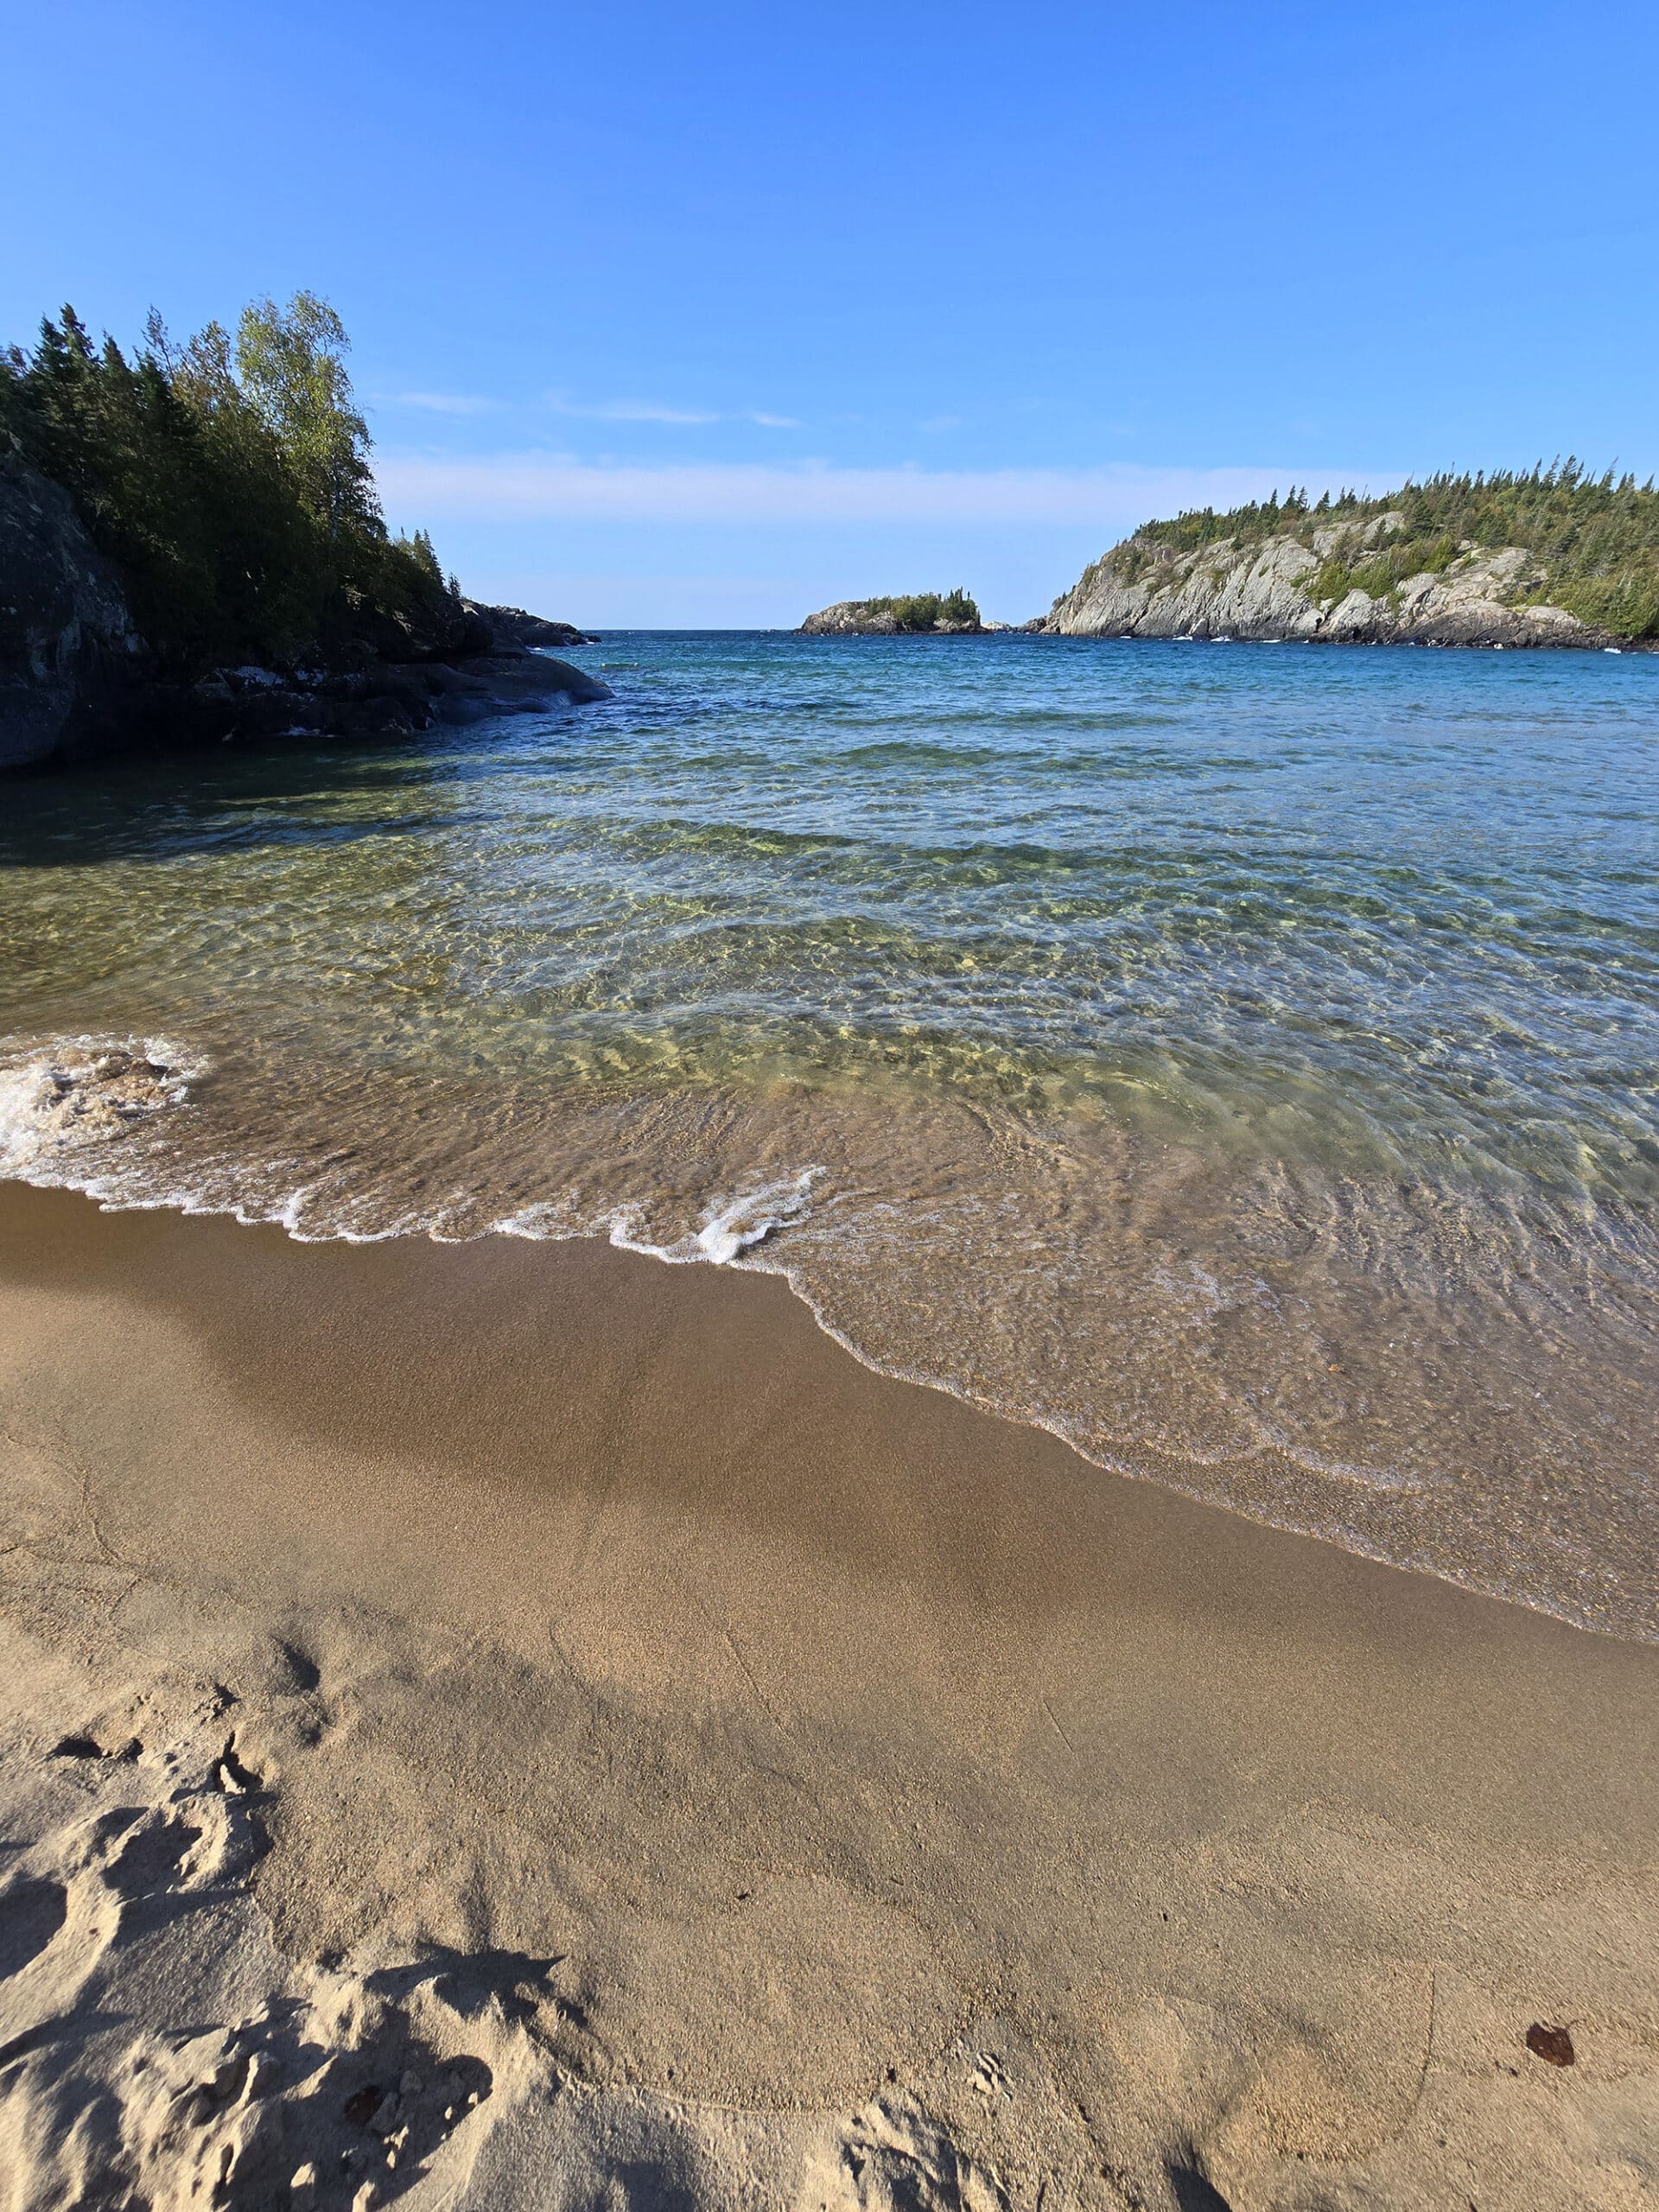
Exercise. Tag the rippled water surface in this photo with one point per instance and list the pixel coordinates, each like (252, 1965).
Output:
(1241, 1059)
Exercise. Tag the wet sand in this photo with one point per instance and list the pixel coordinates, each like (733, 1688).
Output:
(531, 1674)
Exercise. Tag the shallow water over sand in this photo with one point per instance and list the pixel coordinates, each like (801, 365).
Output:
(1242, 1060)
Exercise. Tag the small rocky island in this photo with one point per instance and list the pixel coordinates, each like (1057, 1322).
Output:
(919, 614)
(1556, 557)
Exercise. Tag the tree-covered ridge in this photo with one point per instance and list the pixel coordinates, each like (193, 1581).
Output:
(1594, 538)
(231, 480)
(925, 610)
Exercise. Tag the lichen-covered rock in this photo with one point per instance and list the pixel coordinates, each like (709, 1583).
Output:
(68, 650)
(849, 618)
(1268, 590)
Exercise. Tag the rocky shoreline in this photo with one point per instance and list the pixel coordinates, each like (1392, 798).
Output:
(1268, 591)
(77, 682)
(512, 626)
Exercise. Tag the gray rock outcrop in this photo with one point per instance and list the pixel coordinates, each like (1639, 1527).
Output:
(1271, 590)
(69, 652)
(259, 706)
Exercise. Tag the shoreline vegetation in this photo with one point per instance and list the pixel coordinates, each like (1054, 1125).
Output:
(230, 479)
(192, 548)
(1554, 557)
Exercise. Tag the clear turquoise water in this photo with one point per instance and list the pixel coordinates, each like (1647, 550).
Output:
(1244, 1060)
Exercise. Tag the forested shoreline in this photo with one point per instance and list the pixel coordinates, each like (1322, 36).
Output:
(229, 477)
(192, 550)
(1594, 539)
(1551, 556)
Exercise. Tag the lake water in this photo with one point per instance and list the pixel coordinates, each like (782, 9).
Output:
(1242, 1060)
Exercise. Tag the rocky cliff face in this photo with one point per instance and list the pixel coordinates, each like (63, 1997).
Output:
(1272, 590)
(77, 680)
(68, 650)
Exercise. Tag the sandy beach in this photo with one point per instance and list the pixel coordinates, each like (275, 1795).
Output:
(829, 1113)
(512, 1724)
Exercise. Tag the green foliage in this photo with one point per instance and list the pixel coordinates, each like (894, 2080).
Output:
(1200, 526)
(1381, 572)
(1626, 602)
(424, 556)
(1333, 582)
(925, 610)
(291, 364)
(1595, 538)
(231, 482)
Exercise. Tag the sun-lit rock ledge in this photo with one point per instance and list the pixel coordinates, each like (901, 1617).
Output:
(1270, 590)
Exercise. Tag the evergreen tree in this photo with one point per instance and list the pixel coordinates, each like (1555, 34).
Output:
(231, 482)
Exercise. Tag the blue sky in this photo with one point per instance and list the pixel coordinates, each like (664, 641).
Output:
(707, 316)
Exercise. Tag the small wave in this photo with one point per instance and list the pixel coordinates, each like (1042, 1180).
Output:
(62, 1099)
(727, 1231)
(963, 1250)
(728, 1228)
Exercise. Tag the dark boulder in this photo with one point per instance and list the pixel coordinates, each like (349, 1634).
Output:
(510, 625)
(512, 683)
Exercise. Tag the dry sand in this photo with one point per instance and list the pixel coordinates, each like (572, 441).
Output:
(510, 1725)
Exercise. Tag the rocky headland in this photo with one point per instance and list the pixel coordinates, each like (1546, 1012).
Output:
(1269, 591)
(192, 552)
(512, 626)
(78, 681)
(862, 618)
(1397, 571)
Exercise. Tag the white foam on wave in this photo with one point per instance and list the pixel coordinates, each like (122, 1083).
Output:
(69, 1096)
(66, 1102)
(727, 1229)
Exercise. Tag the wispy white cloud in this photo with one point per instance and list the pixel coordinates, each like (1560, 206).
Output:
(627, 411)
(439, 402)
(652, 410)
(556, 486)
